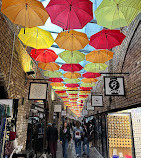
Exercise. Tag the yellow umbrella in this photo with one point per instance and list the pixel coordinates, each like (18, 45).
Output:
(87, 84)
(58, 88)
(70, 88)
(72, 40)
(27, 13)
(57, 84)
(52, 74)
(99, 56)
(89, 80)
(95, 67)
(36, 38)
(49, 66)
(72, 75)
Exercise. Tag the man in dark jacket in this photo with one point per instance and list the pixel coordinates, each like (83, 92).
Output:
(52, 138)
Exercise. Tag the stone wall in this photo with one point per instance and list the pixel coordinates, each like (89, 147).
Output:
(127, 58)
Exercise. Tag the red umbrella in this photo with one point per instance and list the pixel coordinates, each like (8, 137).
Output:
(107, 39)
(85, 88)
(91, 75)
(43, 55)
(63, 97)
(83, 95)
(60, 91)
(70, 14)
(72, 94)
(72, 85)
(55, 80)
(71, 67)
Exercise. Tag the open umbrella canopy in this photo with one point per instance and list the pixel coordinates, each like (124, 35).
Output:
(70, 14)
(57, 84)
(72, 75)
(43, 55)
(99, 56)
(84, 92)
(87, 85)
(58, 88)
(107, 39)
(27, 13)
(71, 67)
(52, 74)
(86, 88)
(91, 75)
(70, 88)
(55, 80)
(72, 85)
(72, 92)
(60, 92)
(117, 13)
(72, 40)
(89, 80)
(36, 38)
(71, 80)
(95, 67)
(73, 57)
(49, 66)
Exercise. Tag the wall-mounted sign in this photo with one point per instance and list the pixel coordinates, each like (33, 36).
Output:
(84, 112)
(57, 108)
(64, 113)
(114, 86)
(97, 100)
(90, 107)
(37, 91)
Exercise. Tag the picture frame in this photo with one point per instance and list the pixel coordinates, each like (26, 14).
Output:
(97, 100)
(37, 91)
(114, 86)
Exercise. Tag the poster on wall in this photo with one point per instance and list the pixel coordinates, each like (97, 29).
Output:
(64, 113)
(114, 86)
(57, 108)
(37, 91)
(97, 100)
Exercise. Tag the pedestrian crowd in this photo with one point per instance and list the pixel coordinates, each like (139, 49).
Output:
(80, 134)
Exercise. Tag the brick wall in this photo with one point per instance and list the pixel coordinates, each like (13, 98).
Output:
(17, 88)
(130, 50)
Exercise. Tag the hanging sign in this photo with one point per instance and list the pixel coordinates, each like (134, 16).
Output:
(90, 107)
(114, 86)
(97, 100)
(57, 108)
(84, 112)
(63, 113)
(37, 91)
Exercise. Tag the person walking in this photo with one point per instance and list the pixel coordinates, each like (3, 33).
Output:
(53, 137)
(65, 137)
(48, 131)
(77, 136)
(86, 134)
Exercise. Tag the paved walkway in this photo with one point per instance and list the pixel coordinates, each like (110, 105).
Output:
(71, 152)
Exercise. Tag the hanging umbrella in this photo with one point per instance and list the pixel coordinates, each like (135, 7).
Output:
(70, 88)
(27, 13)
(70, 14)
(72, 75)
(91, 75)
(72, 85)
(72, 40)
(89, 80)
(73, 99)
(72, 92)
(73, 57)
(71, 67)
(58, 88)
(57, 84)
(55, 80)
(95, 67)
(49, 66)
(99, 56)
(43, 55)
(87, 85)
(86, 88)
(117, 13)
(107, 39)
(60, 92)
(52, 73)
(36, 38)
(84, 92)
(72, 80)
(83, 96)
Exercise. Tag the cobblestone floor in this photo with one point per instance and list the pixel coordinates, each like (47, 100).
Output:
(71, 152)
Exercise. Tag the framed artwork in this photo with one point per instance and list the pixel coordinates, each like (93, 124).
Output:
(64, 113)
(57, 108)
(37, 91)
(97, 100)
(114, 86)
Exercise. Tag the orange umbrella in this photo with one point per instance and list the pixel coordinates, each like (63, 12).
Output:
(99, 56)
(57, 84)
(72, 40)
(72, 75)
(27, 13)
(69, 88)
(49, 66)
(89, 80)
